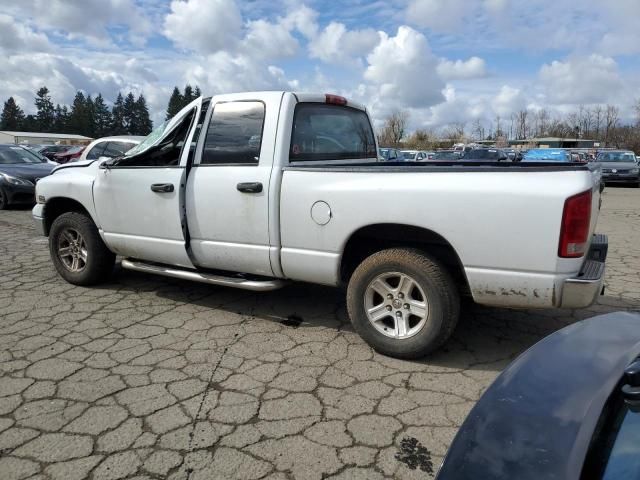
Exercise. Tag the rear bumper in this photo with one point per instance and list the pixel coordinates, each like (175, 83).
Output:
(583, 289)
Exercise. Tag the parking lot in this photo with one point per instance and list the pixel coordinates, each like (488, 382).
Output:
(158, 378)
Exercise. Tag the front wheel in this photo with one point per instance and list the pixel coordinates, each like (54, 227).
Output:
(403, 303)
(77, 250)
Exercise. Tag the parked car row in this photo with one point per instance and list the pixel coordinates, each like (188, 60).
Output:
(22, 166)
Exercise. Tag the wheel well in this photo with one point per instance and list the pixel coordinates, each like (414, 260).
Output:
(57, 206)
(374, 238)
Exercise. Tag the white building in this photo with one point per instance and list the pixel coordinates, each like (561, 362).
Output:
(35, 138)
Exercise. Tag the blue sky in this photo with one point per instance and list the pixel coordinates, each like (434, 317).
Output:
(441, 61)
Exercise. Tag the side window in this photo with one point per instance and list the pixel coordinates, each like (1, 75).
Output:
(331, 132)
(166, 153)
(234, 135)
(117, 149)
(96, 151)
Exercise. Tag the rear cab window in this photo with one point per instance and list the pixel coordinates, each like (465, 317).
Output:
(324, 132)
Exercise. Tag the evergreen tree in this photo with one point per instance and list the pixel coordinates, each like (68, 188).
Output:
(188, 95)
(90, 127)
(30, 124)
(143, 122)
(12, 118)
(61, 121)
(78, 118)
(102, 117)
(117, 115)
(45, 110)
(129, 114)
(196, 92)
(175, 103)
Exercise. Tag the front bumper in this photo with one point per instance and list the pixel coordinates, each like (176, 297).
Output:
(622, 178)
(19, 194)
(38, 219)
(583, 289)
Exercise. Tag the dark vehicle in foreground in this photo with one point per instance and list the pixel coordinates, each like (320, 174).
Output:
(568, 408)
(486, 155)
(20, 169)
(514, 155)
(51, 151)
(619, 166)
(547, 155)
(69, 155)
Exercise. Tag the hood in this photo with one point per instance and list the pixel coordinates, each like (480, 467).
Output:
(82, 163)
(28, 171)
(536, 420)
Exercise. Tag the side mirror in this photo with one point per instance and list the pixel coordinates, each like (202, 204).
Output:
(107, 163)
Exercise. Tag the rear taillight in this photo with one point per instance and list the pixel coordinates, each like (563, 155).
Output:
(574, 231)
(335, 99)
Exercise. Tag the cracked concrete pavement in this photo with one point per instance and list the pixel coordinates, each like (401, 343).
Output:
(146, 377)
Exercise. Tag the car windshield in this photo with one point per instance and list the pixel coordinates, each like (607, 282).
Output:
(482, 154)
(12, 155)
(408, 155)
(617, 157)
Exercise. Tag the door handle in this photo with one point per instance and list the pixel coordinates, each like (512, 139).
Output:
(249, 187)
(162, 187)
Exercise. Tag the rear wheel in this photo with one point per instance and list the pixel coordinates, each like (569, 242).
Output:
(77, 250)
(403, 302)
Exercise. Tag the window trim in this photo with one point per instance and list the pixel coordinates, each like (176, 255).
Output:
(203, 138)
(373, 157)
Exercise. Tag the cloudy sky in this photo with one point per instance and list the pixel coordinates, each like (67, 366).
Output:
(442, 60)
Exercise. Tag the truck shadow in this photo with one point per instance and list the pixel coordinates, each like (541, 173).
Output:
(486, 339)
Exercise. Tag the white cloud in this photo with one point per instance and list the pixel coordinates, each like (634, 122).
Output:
(474, 67)
(303, 19)
(88, 19)
(336, 44)
(508, 100)
(402, 70)
(204, 26)
(437, 15)
(590, 79)
(269, 40)
(17, 37)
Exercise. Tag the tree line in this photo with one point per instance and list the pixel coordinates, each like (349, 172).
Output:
(91, 116)
(597, 122)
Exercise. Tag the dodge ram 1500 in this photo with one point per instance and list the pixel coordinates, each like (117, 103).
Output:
(252, 190)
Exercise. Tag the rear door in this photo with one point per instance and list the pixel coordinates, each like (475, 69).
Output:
(139, 198)
(227, 189)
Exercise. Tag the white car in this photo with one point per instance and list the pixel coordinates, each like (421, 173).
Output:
(252, 190)
(416, 155)
(109, 147)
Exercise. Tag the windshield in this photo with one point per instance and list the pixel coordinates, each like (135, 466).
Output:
(13, 155)
(149, 139)
(409, 155)
(617, 157)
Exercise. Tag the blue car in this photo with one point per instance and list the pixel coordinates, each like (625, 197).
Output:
(547, 155)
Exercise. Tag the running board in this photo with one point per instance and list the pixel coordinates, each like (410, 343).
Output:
(211, 279)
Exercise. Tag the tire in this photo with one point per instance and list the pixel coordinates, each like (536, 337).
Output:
(76, 236)
(426, 329)
(4, 200)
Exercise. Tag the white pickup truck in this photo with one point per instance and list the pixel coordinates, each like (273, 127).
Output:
(253, 190)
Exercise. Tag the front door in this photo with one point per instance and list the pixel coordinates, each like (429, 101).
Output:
(139, 198)
(227, 194)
